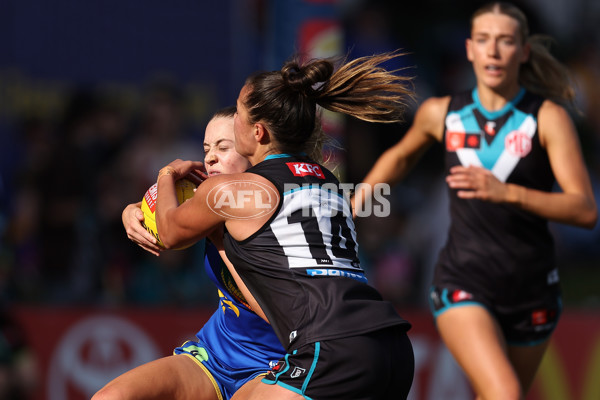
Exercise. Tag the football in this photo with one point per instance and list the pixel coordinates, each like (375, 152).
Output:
(185, 190)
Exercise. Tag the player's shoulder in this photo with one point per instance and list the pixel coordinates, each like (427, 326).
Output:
(552, 108)
(431, 114)
(554, 121)
(436, 105)
(553, 116)
(433, 110)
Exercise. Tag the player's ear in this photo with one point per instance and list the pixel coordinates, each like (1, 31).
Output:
(469, 49)
(261, 133)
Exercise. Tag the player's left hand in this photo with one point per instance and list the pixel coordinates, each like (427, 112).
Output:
(132, 217)
(476, 183)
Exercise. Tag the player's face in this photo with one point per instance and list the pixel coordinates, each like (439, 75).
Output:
(496, 51)
(220, 156)
(243, 129)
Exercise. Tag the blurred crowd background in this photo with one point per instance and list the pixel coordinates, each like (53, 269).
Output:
(97, 96)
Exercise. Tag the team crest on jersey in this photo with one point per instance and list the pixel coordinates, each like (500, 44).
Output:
(306, 169)
(227, 304)
(462, 140)
(490, 128)
(518, 143)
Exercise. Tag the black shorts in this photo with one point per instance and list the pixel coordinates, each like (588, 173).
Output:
(377, 365)
(526, 324)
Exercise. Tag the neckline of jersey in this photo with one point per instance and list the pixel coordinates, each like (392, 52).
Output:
(490, 115)
(282, 155)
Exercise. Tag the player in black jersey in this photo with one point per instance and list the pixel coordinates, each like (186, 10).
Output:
(495, 294)
(288, 230)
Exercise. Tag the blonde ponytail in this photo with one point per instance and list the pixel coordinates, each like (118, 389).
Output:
(545, 75)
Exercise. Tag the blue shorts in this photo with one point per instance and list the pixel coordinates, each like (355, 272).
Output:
(225, 379)
(527, 324)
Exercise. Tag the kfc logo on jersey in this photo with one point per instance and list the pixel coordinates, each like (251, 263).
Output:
(518, 143)
(462, 140)
(306, 169)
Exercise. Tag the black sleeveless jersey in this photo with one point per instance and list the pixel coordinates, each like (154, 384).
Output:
(302, 265)
(497, 250)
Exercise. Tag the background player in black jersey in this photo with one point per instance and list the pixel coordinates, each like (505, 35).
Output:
(495, 294)
(294, 251)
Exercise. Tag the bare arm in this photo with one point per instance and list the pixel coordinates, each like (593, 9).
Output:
(224, 199)
(182, 225)
(398, 160)
(574, 205)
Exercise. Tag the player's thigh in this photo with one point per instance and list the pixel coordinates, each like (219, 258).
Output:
(526, 361)
(174, 377)
(256, 390)
(474, 338)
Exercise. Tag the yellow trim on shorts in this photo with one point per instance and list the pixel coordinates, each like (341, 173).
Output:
(207, 372)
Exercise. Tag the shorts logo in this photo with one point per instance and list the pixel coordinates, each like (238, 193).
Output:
(435, 299)
(279, 366)
(518, 143)
(460, 295)
(539, 317)
(552, 277)
(305, 169)
(276, 369)
(297, 372)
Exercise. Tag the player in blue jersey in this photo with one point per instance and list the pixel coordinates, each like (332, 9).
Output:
(495, 294)
(289, 237)
(235, 345)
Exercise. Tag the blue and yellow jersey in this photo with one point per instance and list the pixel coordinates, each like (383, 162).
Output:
(236, 334)
(235, 345)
